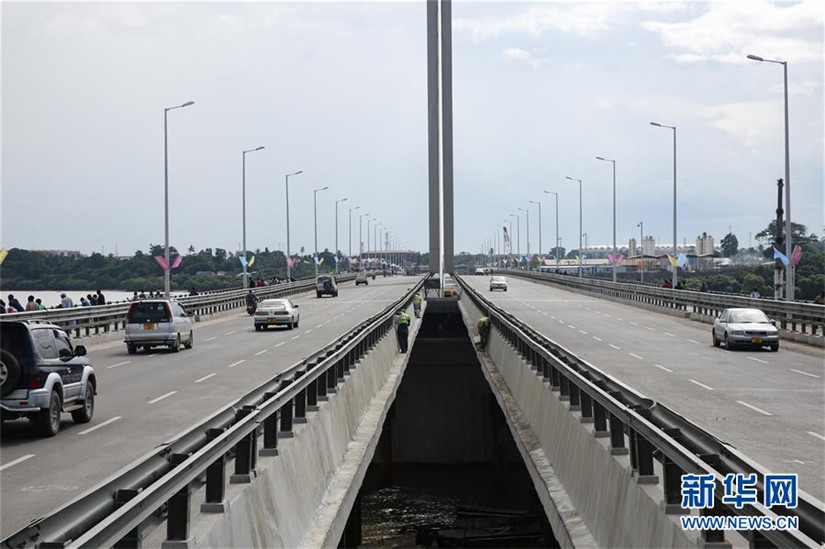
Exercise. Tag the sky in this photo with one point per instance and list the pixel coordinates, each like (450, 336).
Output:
(338, 90)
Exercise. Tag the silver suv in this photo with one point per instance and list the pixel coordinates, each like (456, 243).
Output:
(158, 322)
(42, 376)
(326, 285)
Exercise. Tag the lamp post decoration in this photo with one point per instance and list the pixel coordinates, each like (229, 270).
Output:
(243, 200)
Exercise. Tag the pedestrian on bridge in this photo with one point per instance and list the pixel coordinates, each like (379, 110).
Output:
(417, 299)
(101, 299)
(402, 321)
(31, 305)
(483, 327)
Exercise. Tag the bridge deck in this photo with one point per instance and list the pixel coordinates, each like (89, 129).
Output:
(673, 361)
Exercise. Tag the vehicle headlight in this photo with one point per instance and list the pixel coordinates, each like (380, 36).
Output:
(738, 332)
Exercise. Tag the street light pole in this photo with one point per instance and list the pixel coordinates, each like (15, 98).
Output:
(375, 242)
(538, 203)
(675, 241)
(790, 284)
(581, 259)
(167, 282)
(361, 241)
(518, 234)
(243, 193)
(641, 226)
(315, 218)
(349, 260)
(556, 251)
(288, 268)
(337, 259)
(614, 211)
(525, 210)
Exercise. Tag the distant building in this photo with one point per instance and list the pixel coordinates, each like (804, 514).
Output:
(631, 247)
(649, 246)
(63, 253)
(704, 244)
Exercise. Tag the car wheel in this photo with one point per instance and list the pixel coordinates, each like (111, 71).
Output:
(191, 341)
(775, 348)
(318, 295)
(84, 414)
(291, 325)
(9, 372)
(47, 420)
(257, 327)
(728, 345)
(176, 345)
(716, 342)
(131, 349)
(297, 318)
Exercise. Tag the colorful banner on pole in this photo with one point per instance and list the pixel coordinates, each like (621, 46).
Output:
(290, 262)
(681, 260)
(779, 255)
(162, 262)
(3, 253)
(615, 259)
(177, 262)
(796, 255)
(506, 241)
(251, 262)
(242, 259)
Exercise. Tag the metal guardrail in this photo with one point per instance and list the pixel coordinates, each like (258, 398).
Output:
(794, 316)
(88, 321)
(113, 512)
(653, 430)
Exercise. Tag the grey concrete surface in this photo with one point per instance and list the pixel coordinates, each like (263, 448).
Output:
(147, 398)
(770, 406)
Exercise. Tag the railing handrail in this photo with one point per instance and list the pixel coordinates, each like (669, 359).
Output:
(650, 419)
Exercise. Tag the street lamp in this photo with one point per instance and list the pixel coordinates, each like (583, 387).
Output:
(518, 233)
(581, 259)
(790, 289)
(243, 193)
(375, 243)
(509, 237)
(538, 203)
(675, 242)
(336, 233)
(315, 217)
(525, 210)
(167, 283)
(556, 251)
(369, 248)
(288, 269)
(614, 212)
(641, 225)
(361, 240)
(350, 235)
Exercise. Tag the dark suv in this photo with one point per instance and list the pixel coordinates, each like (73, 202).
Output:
(42, 375)
(326, 285)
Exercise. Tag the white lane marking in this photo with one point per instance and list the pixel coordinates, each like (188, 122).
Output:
(320, 326)
(211, 338)
(693, 341)
(752, 407)
(553, 317)
(561, 321)
(295, 337)
(620, 319)
(204, 378)
(615, 347)
(649, 328)
(150, 356)
(633, 323)
(308, 331)
(608, 315)
(326, 322)
(804, 373)
(261, 352)
(701, 385)
(809, 432)
(663, 368)
(167, 395)
(279, 344)
(635, 356)
(241, 361)
(99, 425)
(544, 313)
(16, 461)
(669, 334)
(597, 312)
(230, 333)
(597, 338)
(757, 360)
(582, 331)
(571, 326)
(118, 364)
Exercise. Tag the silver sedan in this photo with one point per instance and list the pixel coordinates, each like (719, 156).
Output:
(745, 327)
(272, 312)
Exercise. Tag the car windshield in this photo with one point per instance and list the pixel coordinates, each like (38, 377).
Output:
(498, 279)
(273, 304)
(148, 311)
(749, 315)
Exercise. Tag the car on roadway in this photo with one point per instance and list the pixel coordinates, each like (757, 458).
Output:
(498, 283)
(480, 272)
(326, 285)
(158, 323)
(42, 376)
(745, 328)
(274, 312)
(361, 278)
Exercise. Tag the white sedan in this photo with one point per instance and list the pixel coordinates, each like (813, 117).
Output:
(272, 312)
(745, 327)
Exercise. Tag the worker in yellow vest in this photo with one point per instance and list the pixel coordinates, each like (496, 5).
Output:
(402, 320)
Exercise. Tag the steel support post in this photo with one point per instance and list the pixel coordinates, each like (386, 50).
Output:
(244, 452)
(133, 539)
(672, 486)
(270, 432)
(617, 446)
(312, 396)
(586, 407)
(286, 419)
(575, 403)
(600, 421)
(215, 480)
(177, 514)
(564, 388)
(644, 461)
(300, 401)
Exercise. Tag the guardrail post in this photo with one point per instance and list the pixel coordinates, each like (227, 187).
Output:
(555, 379)
(564, 387)
(586, 407)
(339, 366)
(600, 421)
(300, 401)
(177, 513)
(714, 538)
(321, 387)
(286, 414)
(270, 431)
(133, 538)
(617, 447)
(332, 378)
(312, 393)
(215, 480)
(672, 486)
(575, 403)
(245, 452)
(644, 461)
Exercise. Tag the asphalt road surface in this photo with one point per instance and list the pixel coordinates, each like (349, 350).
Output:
(146, 399)
(770, 406)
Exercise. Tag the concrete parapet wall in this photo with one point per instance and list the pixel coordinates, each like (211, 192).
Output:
(302, 497)
(590, 496)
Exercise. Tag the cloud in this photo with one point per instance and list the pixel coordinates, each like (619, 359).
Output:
(524, 55)
(795, 89)
(728, 31)
(582, 19)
